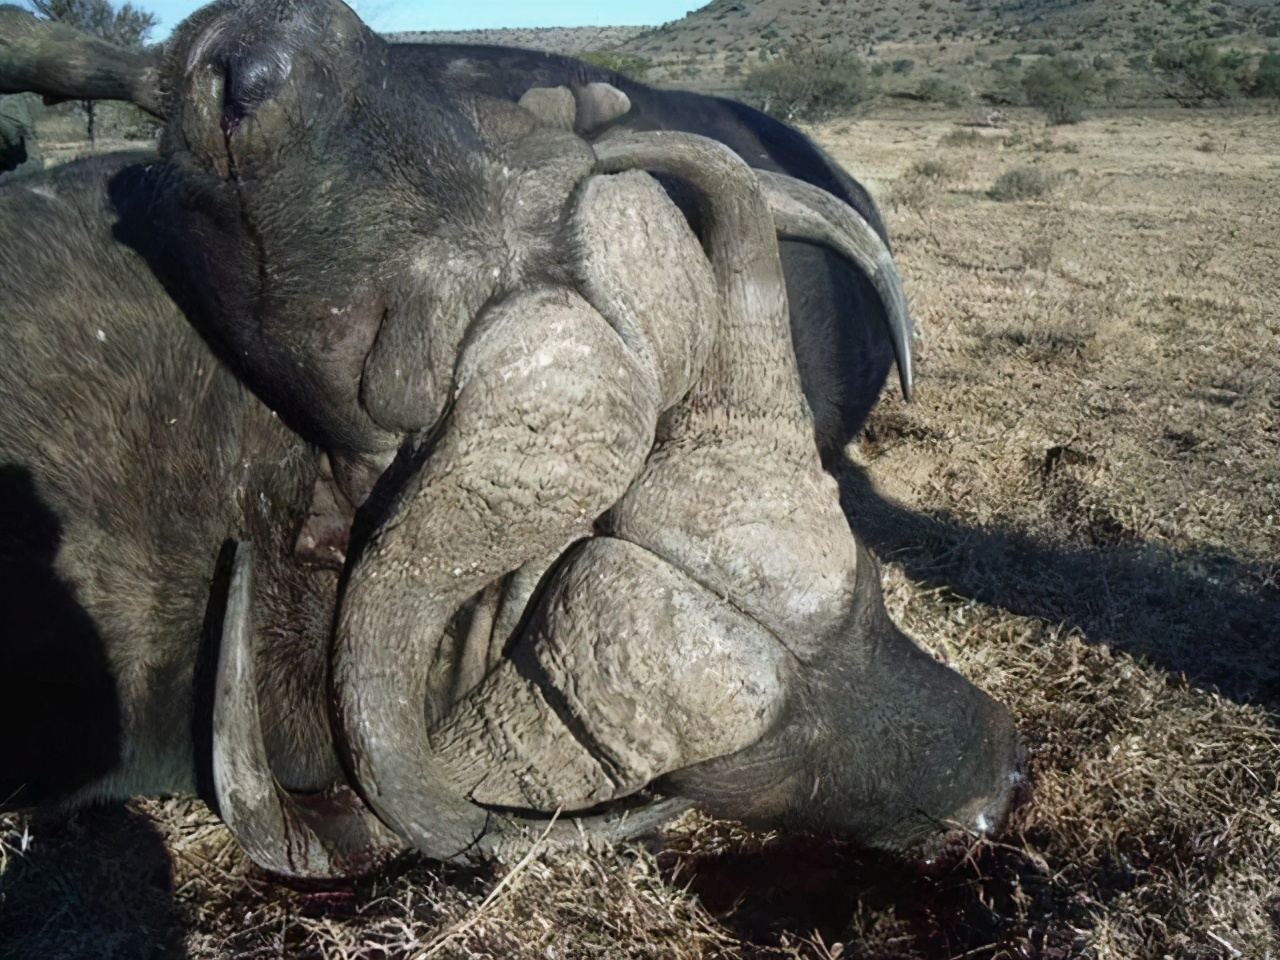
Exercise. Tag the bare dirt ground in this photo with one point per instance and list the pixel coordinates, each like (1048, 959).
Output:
(1081, 510)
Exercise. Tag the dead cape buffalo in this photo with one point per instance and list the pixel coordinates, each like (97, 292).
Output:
(596, 556)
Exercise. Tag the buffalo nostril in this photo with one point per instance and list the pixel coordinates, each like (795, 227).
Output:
(1011, 789)
(231, 120)
(235, 106)
(1019, 778)
(1019, 785)
(1014, 792)
(250, 80)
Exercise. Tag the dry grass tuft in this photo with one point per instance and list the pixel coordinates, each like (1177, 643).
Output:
(967, 137)
(1022, 183)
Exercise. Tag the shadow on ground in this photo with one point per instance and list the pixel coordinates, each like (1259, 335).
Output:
(92, 884)
(1211, 618)
(971, 898)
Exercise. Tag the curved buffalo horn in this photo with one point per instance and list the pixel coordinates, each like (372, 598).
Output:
(315, 836)
(433, 768)
(63, 63)
(627, 670)
(553, 106)
(804, 212)
(800, 211)
(508, 837)
(743, 249)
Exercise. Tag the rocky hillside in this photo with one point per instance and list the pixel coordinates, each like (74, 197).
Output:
(750, 27)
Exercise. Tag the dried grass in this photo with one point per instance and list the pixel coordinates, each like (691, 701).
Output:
(1022, 183)
(1079, 511)
(967, 137)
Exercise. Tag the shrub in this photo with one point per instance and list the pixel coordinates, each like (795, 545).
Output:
(938, 90)
(809, 83)
(1005, 84)
(1021, 183)
(1199, 72)
(934, 171)
(626, 64)
(964, 138)
(903, 67)
(1062, 87)
(1266, 79)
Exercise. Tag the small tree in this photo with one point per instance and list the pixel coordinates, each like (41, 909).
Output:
(940, 90)
(1199, 72)
(127, 26)
(1062, 87)
(809, 82)
(1266, 79)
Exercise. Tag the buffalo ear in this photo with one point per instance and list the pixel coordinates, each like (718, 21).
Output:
(326, 533)
(343, 484)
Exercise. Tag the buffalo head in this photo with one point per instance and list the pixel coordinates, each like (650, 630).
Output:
(596, 552)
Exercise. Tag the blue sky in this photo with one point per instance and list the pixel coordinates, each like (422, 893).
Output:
(474, 14)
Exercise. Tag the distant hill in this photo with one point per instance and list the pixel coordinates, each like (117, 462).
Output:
(747, 26)
(967, 42)
(550, 39)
